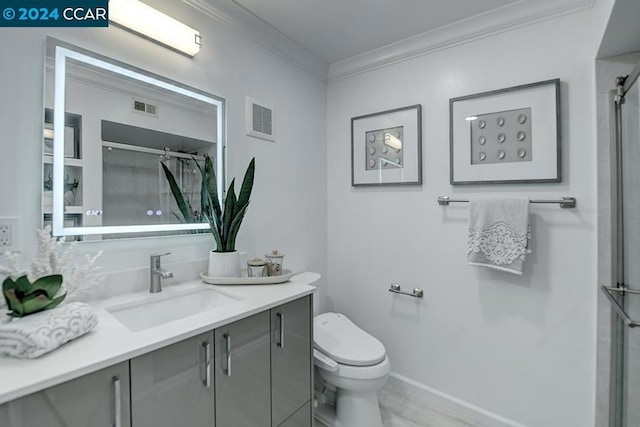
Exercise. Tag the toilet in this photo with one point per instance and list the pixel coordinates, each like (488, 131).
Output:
(351, 364)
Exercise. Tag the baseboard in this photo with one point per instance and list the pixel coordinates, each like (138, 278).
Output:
(421, 394)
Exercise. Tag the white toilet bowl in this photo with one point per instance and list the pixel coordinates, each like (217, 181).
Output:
(355, 364)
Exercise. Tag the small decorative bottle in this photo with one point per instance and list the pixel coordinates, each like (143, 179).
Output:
(256, 267)
(274, 263)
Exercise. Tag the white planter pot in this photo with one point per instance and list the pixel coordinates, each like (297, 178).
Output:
(224, 264)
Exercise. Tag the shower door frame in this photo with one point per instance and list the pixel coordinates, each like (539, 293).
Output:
(619, 293)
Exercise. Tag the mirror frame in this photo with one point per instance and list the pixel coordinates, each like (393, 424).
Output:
(61, 51)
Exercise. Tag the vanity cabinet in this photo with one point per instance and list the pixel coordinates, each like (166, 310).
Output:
(291, 365)
(243, 370)
(263, 368)
(173, 386)
(302, 418)
(100, 399)
(254, 372)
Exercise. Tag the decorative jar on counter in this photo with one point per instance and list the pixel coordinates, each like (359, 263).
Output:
(274, 263)
(256, 267)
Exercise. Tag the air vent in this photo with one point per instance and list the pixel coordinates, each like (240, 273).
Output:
(145, 107)
(260, 120)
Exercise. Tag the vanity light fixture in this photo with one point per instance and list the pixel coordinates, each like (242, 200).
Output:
(135, 16)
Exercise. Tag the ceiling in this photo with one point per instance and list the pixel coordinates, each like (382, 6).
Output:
(333, 30)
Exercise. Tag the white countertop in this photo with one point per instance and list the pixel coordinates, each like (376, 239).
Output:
(111, 342)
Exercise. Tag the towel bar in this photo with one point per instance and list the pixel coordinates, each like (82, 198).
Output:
(564, 202)
(417, 293)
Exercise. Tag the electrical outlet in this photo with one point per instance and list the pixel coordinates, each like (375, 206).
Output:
(10, 238)
(5, 235)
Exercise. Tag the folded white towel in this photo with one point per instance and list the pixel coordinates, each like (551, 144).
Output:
(498, 232)
(37, 334)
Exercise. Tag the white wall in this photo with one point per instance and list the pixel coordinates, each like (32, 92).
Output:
(288, 208)
(520, 347)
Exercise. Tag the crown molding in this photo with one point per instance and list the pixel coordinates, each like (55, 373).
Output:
(516, 15)
(240, 19)
(506, 18)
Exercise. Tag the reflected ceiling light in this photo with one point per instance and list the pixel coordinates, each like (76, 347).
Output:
(471, 118)
(392, 142)
(48, 133)
(150, 23)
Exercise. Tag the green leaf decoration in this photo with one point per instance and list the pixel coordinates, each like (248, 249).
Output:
(56, 302)
(224, 220)
(34, 303)
(23, 284)
(209, 188)
(214, 226)
(235, 227)
(247, 184)
(24, 298)
(229, 207)
(8, 284)
(183, 204)
(50, 284)
(13, 302)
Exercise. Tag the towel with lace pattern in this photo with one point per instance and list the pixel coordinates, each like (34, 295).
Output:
(498, 234)
(37, 334)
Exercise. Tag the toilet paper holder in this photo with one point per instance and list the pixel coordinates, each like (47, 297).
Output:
(416, 293)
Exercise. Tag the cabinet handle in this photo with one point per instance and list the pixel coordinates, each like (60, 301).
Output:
(281, 318)
(207, 364)
(117, 402)
(227, 341)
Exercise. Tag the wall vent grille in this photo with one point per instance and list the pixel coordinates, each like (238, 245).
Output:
(145, 107)
(260, 120)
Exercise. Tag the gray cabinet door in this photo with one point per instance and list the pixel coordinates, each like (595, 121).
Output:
(100, 399)
(173, 386)
(291, 368)
(242, 360)
(302, 418)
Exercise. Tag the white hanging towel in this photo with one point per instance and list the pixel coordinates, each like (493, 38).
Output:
(498, 232)
(37, 334)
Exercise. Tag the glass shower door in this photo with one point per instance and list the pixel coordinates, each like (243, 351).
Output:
(625, 293)
(630, 346)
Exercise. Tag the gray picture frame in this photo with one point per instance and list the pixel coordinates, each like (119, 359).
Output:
(408, 118)
(546, 165)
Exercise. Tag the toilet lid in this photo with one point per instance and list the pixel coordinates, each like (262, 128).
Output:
(339, 338)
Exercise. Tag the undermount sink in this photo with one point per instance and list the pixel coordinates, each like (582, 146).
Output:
(157, 309)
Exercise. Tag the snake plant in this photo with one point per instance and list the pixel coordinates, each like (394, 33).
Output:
(224, 220)
(188, 214)
(24, 298)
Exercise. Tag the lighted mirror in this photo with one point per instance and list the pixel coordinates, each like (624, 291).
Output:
(108, 128)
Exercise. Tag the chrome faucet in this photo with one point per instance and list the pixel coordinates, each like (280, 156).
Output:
(157, 273)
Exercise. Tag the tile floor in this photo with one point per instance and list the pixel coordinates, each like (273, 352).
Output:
(399, 412)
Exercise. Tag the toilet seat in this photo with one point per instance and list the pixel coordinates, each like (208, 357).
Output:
(340, 339)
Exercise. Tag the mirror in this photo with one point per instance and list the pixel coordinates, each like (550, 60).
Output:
(108, 126)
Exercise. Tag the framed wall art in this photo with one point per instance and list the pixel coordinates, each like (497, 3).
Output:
(506, 136)
(386, 147)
